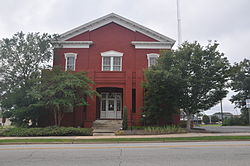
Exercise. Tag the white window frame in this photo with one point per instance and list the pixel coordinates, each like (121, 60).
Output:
(111, 54)
(152, 55)
(74, 55)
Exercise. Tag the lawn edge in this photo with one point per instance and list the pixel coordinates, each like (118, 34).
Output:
(123, 140)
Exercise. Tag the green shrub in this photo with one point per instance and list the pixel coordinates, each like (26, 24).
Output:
(183, 124)
(214, 119)
(206, 119)
(164, 129)
(48, 131)
(138, 127)
(233, 121)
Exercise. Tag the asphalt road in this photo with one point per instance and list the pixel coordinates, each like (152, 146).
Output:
(226, 129)
(135, 154)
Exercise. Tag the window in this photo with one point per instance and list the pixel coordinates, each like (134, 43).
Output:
(70, 61)
(152, 59)
(111, 61)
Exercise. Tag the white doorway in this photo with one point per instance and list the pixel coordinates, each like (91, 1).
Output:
(110, 107)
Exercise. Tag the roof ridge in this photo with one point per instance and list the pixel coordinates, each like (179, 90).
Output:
(113, 17)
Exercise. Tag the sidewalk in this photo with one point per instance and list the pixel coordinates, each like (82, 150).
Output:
(134, 136)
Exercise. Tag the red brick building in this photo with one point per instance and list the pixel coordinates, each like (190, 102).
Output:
(114, 51)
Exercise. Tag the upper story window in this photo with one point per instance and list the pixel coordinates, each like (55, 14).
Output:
(111, 61)
(152, 59)
(70, 64)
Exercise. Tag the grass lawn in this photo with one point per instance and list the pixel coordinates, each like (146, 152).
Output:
(123, 140)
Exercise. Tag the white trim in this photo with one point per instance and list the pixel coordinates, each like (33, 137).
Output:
(72, 44)
(112, 54)
(112, 17)
(152, 55)
(66, 55)
(151, 45)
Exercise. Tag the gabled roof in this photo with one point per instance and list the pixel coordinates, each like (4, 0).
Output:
(112, 17)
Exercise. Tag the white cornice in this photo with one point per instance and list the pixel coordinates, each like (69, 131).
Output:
(152, 45)
(72, 44)
(111, 53)
(118, 20)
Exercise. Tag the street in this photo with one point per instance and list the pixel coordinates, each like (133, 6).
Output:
(226, 129)
(224, 153)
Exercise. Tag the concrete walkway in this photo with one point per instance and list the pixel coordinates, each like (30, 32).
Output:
(134, 136)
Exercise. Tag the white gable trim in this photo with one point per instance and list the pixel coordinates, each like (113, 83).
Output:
(73, 44)
(111, 53)
(152, 45)
(118, 20)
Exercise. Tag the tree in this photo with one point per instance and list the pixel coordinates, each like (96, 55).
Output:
(160, 98)
(21, 59)
(214, 119)
(18, 105)
(22, 55)
(198, 76)
(241, 85)
(61, 91)
(206, 119)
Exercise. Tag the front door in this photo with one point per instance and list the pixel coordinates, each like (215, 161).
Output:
(111, 105)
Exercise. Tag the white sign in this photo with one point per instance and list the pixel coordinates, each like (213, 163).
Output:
(248, 103)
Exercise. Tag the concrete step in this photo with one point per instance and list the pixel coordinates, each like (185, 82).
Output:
(102, 131)
(103, 134)
(106, 127)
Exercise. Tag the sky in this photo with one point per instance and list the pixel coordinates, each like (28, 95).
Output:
(226, 21)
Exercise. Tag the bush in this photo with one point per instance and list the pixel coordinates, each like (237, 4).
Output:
(214, 119)
(48, 131)
(183, 124)
(164, 129)
(233, 121)
(206, 119)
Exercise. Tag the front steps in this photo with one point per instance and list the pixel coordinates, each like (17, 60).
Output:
(106, 127)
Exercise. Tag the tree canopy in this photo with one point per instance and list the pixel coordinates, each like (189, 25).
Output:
(61, 91)
(240, 83)
(22, 57)
(192, 78)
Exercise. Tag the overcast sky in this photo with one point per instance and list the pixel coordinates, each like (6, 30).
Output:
(226, 21)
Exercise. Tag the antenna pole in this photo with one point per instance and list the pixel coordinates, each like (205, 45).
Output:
(179, 23)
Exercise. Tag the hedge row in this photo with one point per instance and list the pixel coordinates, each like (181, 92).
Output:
(47, 131)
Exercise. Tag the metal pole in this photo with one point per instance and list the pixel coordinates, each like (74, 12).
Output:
(249, 115)
(221, 110)
(248, 107)
(179, 23)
